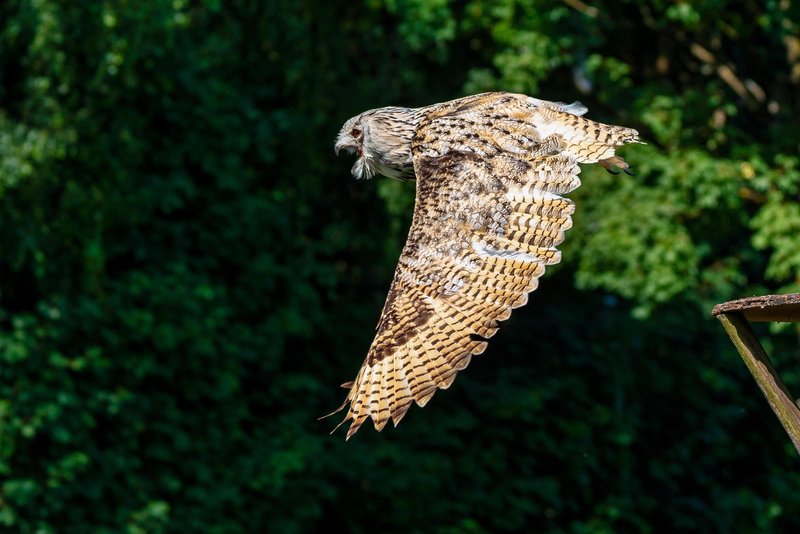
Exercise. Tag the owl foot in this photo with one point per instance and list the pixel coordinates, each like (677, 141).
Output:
(616, 161)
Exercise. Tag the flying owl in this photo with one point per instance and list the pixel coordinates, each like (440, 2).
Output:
(490, 173)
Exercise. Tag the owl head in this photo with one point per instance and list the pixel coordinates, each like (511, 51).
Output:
(382, 140)
(352, 139)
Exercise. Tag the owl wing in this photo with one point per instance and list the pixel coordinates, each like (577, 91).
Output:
(491, 171)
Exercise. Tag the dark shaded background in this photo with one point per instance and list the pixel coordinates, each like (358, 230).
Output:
(187, 272)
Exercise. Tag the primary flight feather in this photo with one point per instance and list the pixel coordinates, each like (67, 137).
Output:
(491, 170)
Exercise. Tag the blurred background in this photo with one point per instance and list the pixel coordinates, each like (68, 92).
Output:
(187, 273)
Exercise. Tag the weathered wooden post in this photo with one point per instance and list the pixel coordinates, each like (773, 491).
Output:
(735, 316)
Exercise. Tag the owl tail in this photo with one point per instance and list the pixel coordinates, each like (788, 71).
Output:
(586, 140)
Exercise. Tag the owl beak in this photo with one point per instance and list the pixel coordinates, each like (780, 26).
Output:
(339, 144)
(344, 144)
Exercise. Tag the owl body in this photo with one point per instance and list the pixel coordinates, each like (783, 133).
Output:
(491, 172)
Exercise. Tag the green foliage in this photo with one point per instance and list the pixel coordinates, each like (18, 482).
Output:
(186, 271)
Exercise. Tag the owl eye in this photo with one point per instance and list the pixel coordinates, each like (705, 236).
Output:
(355, 132)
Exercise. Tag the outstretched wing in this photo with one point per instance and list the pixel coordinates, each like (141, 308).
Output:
(489, 214)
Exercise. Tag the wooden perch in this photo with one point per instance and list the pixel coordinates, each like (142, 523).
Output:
(734, 316)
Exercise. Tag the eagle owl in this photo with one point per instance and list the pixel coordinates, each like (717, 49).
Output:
(490, 173)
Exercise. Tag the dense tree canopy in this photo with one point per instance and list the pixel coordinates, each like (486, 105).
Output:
(187, 272)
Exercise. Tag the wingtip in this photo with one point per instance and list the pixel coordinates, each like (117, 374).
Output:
(343, 421)
(337, 410)
(381, 423)
(398, 415)
(426, 396)
(400, 411)
(356, 424)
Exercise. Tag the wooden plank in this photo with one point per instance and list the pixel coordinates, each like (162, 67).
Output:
(760, 367)
(765, 308)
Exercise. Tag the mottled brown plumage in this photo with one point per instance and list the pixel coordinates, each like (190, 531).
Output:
(491, 170)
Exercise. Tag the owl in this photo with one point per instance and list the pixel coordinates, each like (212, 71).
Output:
(491, 173)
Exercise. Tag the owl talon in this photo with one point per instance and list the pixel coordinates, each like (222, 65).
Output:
(614, 162)
(629, 173)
